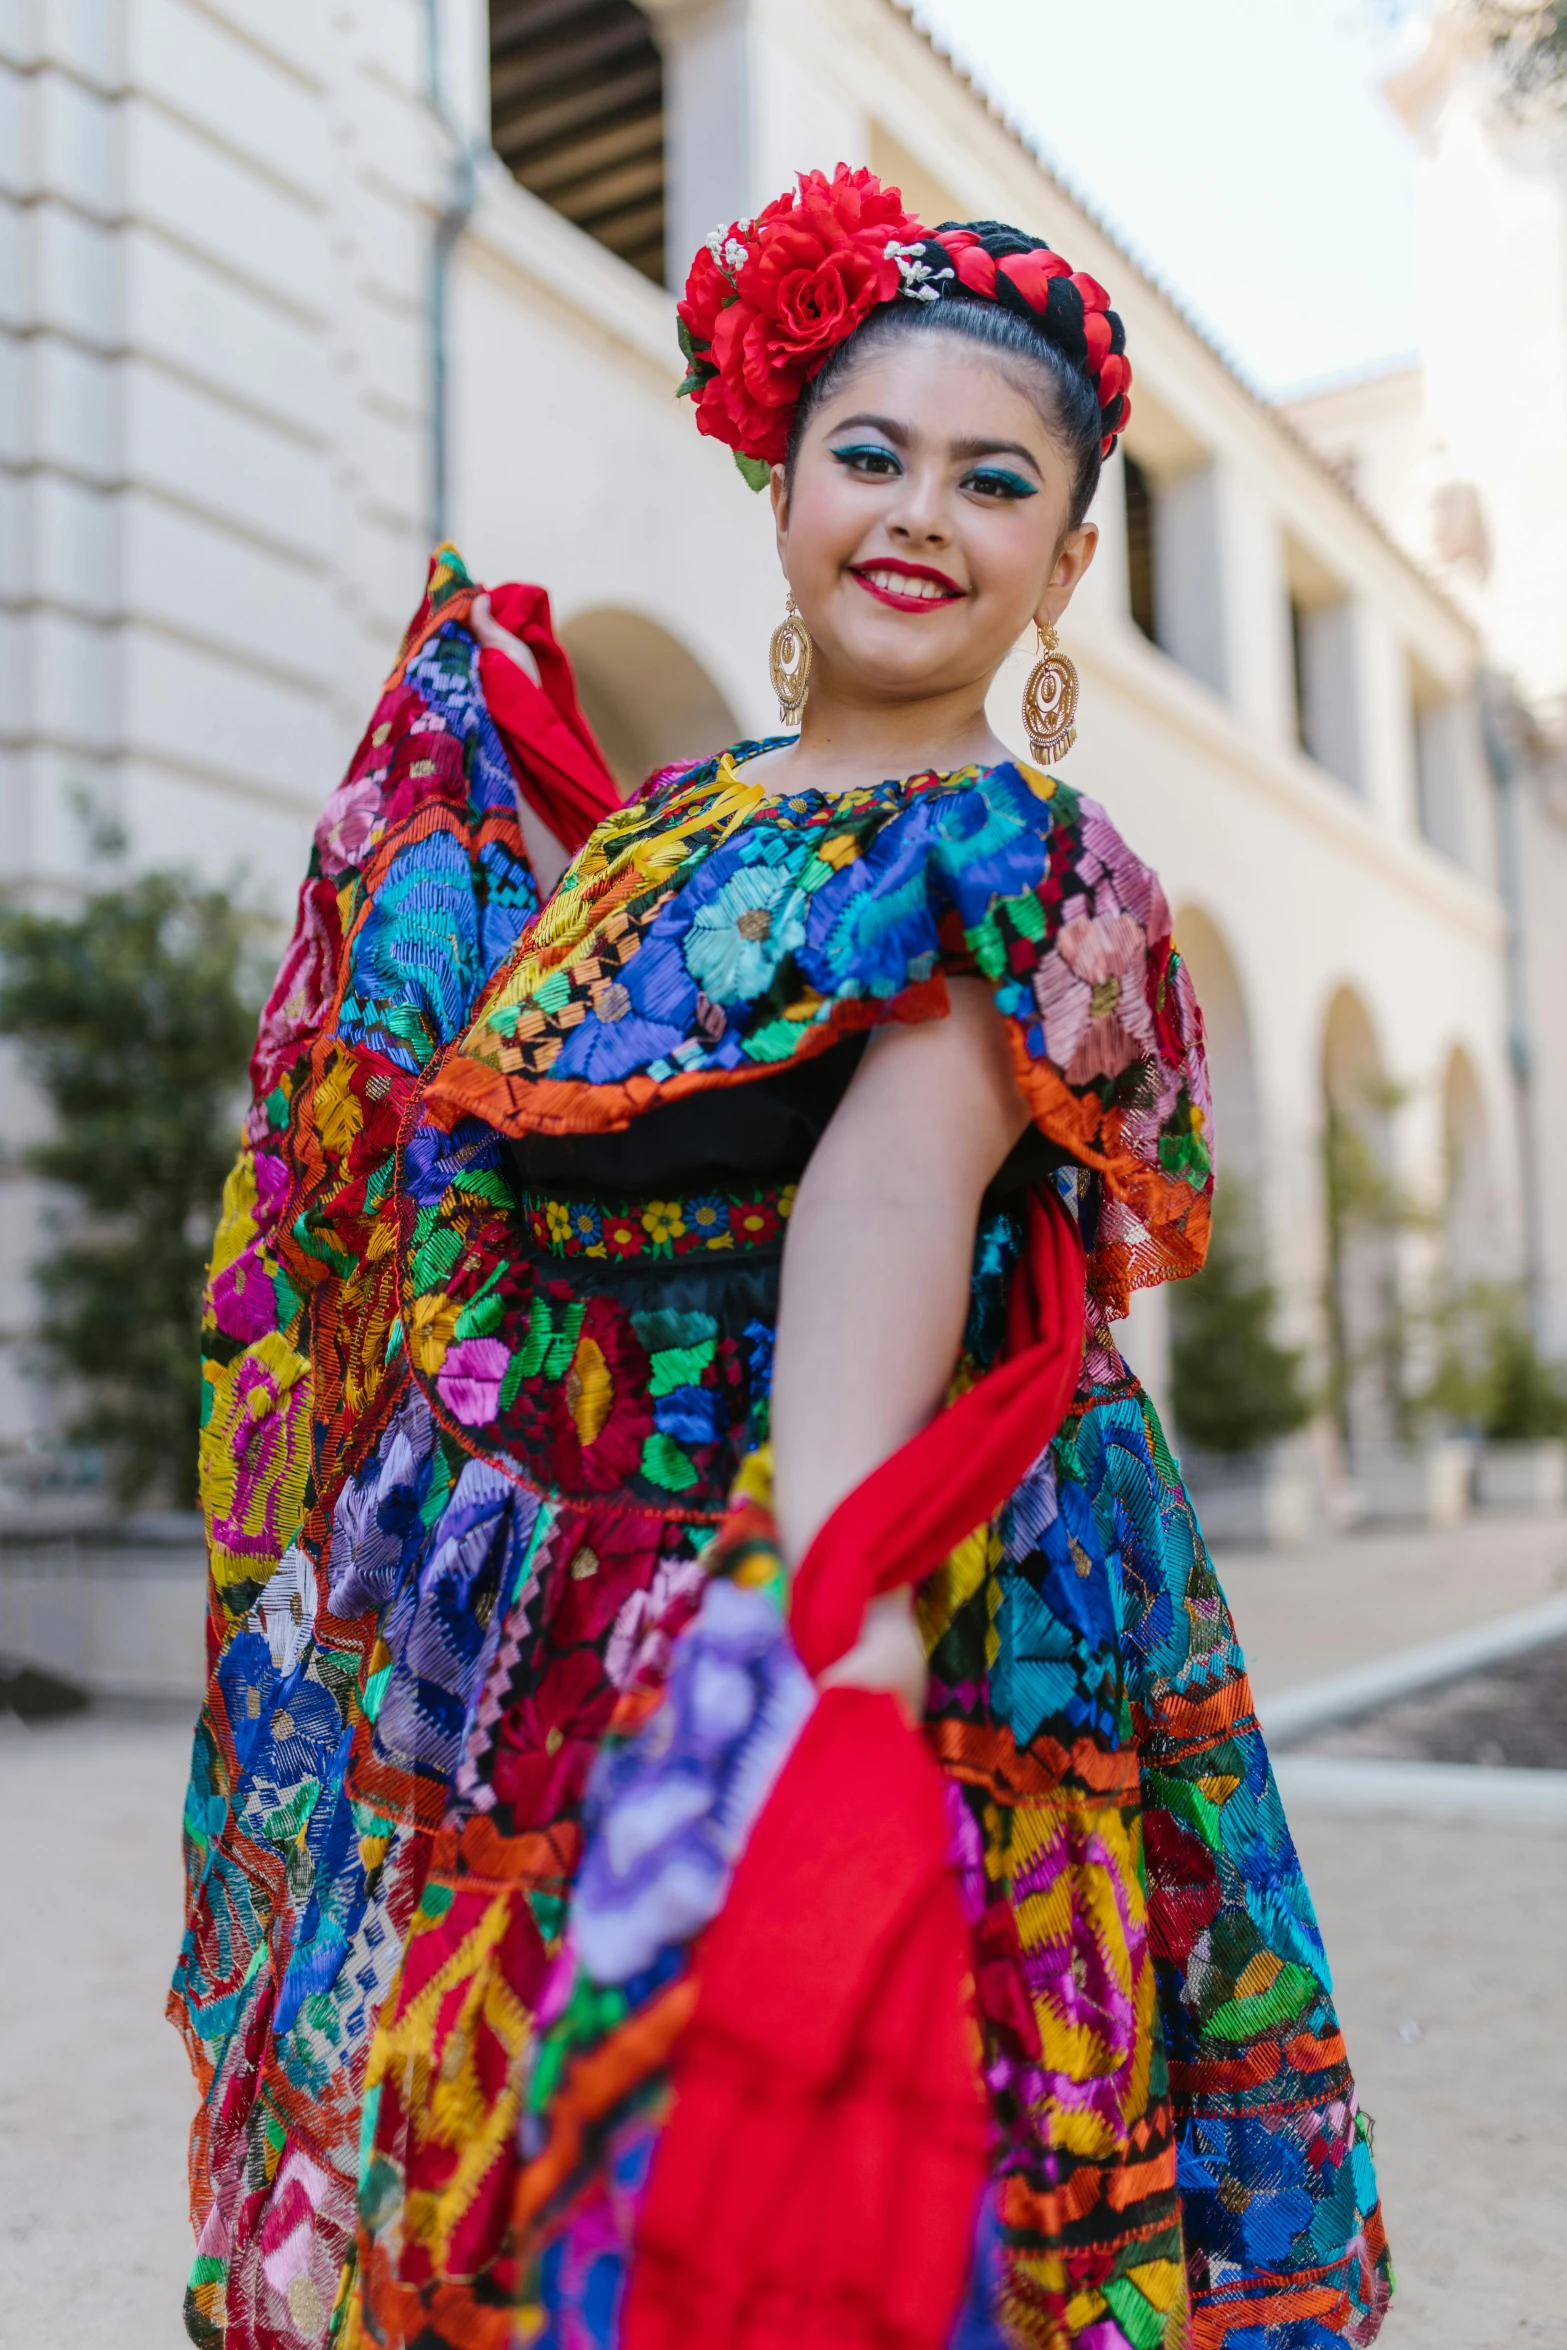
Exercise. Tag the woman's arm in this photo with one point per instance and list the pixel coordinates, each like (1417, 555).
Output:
(875, 1286)
(546, 854)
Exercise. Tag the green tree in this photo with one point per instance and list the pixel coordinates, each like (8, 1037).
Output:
(1528, 1396)
(1529, 41)
(135, 1017)
(1236, 1388)
(1368, 1212)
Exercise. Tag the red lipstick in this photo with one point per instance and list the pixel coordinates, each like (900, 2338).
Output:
(950, 590)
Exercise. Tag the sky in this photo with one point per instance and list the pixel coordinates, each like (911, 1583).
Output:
(1242, 149)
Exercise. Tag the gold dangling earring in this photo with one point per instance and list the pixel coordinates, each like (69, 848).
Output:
(789, 659)
(1050, 700)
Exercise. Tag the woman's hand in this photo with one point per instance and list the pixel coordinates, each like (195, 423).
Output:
(496, 639)
(889, 1655)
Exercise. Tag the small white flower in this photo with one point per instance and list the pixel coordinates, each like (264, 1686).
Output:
(920, 281)
(726, 248)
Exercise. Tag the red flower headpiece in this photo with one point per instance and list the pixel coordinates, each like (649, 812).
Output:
(768, 300)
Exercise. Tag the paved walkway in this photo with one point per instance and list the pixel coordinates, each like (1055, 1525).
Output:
(95, 2094)
(1303, 1614)
(1452, 1930)
(1447, 1949)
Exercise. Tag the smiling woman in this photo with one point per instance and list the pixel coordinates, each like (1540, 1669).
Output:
(771, 1843)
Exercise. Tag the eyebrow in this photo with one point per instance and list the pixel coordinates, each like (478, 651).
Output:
(972, 446)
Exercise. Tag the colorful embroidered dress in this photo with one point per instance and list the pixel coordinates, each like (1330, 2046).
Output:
(525, 1295)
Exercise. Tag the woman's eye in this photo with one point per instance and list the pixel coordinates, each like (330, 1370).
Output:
(870, 458)
(996, 481)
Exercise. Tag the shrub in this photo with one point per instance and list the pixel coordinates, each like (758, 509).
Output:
(1528, 1396)
(135, 1016)
(1236, 1388)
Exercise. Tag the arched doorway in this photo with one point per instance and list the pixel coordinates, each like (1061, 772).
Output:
(1160, 1331)
(645, 696)
(1469, 1214)
(1364, 1215)
(1236, 1388)
(1232, 1064)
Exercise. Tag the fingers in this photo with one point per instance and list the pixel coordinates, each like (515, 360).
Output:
(496, 639)
(889, 1657)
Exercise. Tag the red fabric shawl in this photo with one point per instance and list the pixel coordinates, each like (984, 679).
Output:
(817, 2181)
(554, 757)
(560, 770)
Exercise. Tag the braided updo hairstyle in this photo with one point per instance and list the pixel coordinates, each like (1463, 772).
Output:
(1064, 341)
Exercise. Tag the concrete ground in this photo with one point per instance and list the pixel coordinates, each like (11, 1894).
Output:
(1446, 1941)
(95, 2093)
(1447, 1945)
(1305, 1614)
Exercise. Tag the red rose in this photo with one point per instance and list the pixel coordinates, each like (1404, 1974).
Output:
(816, 299)
(855, 203)
(783, 290)
(726, 414)
(708, 289)
(746, 358)
(818, 264)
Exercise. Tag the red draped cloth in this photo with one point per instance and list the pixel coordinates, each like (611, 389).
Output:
(817, 2182)
(555, 759)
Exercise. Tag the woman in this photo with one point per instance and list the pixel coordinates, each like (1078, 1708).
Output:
(797, 2048)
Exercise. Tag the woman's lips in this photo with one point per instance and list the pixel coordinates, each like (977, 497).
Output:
(907, 587)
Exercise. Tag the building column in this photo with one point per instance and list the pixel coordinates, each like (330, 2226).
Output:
(1254, 608)
(1387, 721)
(708, 143)
(750, 98)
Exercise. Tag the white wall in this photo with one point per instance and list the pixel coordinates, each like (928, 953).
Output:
(217, 443)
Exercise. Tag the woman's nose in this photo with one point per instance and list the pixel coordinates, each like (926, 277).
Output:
(920, 521)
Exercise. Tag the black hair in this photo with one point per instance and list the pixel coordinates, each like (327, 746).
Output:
(1049, 344)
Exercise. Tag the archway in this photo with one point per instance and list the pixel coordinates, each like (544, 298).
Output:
(1232, 1064)
(1469, 1218)
(646, 697)
(1232, 1388)
(1363, 1213)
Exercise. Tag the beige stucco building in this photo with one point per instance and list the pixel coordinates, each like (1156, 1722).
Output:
(223, 273)
(1464, 458)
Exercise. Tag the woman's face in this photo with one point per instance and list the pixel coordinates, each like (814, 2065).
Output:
(926, 525)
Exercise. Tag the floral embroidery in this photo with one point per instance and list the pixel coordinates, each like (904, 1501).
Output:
(727, 933)
(749, 1218)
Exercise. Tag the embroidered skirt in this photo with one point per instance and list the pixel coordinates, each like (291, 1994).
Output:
(391, 1843)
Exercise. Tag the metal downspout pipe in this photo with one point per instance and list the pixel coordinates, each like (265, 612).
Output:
(462, 195)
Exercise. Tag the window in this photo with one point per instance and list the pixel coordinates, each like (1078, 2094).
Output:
(577, 115)
(1298, 627)
(1174, 583)
(1324, 665)
(1139, 548)
(1449, 785)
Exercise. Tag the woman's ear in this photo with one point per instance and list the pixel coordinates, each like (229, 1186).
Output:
(1073, 557)
(779, 490)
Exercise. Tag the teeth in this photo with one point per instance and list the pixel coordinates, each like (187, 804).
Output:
(901, 583)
